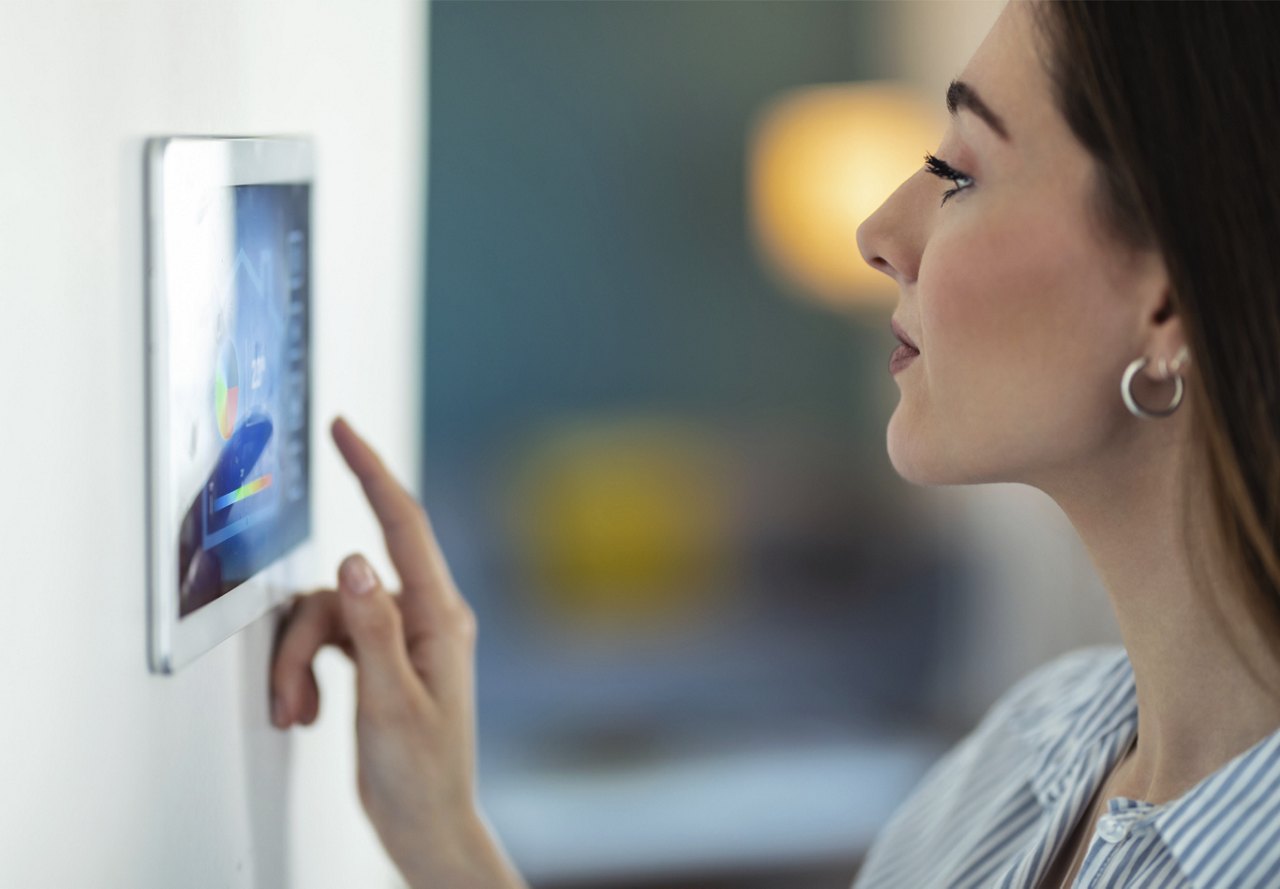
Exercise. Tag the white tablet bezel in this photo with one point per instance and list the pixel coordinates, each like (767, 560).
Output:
(178, 166)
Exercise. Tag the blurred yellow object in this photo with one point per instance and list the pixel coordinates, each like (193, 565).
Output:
(623, 524)
(821, 159)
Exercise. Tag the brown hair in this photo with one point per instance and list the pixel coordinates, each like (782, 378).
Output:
(1179, 105)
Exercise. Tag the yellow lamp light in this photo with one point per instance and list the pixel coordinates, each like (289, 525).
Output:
(623, 524)
(821, 159)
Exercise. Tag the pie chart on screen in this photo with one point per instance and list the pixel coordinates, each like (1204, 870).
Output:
(226, 389)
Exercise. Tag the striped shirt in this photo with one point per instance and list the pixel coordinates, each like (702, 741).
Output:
(996, 807)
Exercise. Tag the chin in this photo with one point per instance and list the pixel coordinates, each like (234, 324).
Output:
(915, 457)
(908, 451)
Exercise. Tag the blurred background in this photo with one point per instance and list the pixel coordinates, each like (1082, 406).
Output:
(585, 272)
(720, 639)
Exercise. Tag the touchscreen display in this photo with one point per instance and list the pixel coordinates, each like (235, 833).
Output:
(237, 275)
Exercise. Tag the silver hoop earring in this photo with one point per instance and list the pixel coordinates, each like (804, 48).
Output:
(1131, 403)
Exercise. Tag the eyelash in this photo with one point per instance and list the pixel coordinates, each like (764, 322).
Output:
(944, 170)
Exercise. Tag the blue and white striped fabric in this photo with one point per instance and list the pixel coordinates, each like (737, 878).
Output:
(995, 808)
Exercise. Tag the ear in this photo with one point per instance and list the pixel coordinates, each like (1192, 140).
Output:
(1166, 344)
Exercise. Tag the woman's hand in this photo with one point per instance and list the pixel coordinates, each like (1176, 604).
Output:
(414, 654)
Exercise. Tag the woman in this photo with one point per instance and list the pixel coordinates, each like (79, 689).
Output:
(1107, 223)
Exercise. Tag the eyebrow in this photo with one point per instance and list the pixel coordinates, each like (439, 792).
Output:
(961, 95)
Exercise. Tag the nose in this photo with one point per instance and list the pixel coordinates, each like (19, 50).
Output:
(892, 238)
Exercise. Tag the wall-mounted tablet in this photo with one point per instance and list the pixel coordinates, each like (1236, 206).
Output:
(228, 383)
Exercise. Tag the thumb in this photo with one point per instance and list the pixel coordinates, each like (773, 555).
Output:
(383, 671)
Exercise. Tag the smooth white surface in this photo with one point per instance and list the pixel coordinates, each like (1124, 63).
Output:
(114, 777)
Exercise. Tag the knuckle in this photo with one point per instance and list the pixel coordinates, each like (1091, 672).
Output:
(309, 604)
(289, 650)
(384, 623)
(462, 622)
(411, 511)
(309, 615)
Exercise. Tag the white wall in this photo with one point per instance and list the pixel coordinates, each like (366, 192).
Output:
(113, 777)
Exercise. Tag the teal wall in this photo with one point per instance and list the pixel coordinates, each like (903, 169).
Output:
(588, 244)
(588, 258)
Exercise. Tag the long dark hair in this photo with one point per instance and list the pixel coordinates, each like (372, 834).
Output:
(1179, 105)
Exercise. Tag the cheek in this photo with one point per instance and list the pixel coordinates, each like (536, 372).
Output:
(989, 293)
(1011, 315)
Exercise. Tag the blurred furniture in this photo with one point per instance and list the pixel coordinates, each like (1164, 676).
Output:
(690, 816)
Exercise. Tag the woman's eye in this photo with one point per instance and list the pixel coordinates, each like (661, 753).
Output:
(944, 170)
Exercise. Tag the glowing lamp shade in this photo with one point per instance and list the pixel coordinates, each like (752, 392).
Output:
(821, 159)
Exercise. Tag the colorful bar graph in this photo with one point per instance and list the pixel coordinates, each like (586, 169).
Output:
(248, 489)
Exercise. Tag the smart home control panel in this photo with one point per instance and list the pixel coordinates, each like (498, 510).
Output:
(228, 383)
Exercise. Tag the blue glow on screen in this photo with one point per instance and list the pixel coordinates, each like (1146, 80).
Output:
(255, 504)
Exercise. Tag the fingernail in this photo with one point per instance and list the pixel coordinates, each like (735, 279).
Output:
(357, 576)
(277, 711)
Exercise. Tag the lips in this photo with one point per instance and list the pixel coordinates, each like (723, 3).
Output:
(902, 334)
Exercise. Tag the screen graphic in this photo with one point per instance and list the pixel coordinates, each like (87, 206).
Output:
(250, 429)
(227, 389)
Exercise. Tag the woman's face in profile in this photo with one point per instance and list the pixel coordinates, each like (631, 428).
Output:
(1024, 313)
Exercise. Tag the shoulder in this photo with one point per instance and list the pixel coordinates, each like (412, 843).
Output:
(980, 800)
(1041, 707)
(1006, 746)
(1058, 691)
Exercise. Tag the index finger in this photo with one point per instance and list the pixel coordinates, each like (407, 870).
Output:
(405, 526)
